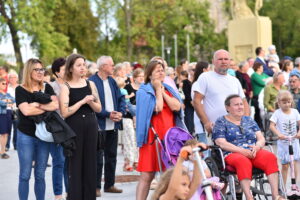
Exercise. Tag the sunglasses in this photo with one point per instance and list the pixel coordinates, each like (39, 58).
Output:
(39, 70)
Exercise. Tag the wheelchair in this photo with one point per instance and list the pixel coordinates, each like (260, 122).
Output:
(259, 185)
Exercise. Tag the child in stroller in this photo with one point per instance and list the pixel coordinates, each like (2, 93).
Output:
(175, 182)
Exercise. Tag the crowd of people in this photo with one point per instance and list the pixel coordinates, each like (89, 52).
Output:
(229, 103)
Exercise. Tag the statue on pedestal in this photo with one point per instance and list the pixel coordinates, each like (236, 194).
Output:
(240, 9)
(258, 6)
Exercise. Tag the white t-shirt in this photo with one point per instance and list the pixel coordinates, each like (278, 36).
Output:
(216, 88)
(286, 123)
(286, 77)
(109, 105)
(197, 122)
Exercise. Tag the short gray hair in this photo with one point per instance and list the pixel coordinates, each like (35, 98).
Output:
(242, 64)
(218, 51)
(276, 75)
(13, 73)
(102, 60)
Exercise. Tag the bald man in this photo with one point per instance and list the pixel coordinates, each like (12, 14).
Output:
(212, 88)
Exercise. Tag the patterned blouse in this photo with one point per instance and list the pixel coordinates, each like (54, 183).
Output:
(3, 103)
(241, 136)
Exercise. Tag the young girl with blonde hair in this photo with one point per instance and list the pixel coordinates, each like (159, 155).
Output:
(284, 123)
(175, 182)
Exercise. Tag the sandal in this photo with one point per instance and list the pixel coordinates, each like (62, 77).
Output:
(127, 168)
(279, 198)
(4, 156)
(135, 165)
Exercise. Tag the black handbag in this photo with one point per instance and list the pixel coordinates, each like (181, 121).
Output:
(101, 139)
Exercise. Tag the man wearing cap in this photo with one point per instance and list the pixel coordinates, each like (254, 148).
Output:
(296, 69)
(260, 53)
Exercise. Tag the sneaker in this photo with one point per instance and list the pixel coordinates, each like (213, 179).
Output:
(153, 184)
(4, 156)
(98, 192)
(113, 189)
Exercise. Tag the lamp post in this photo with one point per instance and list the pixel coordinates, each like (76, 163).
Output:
(168, 49)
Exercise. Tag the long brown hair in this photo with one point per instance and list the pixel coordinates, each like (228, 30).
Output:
(28, 69)
(71, 59)
(150, 68)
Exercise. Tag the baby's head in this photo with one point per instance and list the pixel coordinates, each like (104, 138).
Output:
(272, 49)
(284, 100)
(120, 82)
(193, 143)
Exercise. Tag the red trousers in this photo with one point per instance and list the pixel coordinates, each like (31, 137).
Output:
(264, 160)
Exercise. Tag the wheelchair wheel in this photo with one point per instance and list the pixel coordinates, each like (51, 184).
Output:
(213, 167)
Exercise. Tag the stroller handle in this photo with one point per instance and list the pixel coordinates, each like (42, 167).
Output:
(200, 149)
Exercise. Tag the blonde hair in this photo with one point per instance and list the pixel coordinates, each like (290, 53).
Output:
(120, 82)
(284, 95)
(119, 67)
(163, 183)
(28, 69)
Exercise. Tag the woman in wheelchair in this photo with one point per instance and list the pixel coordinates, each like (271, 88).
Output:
(241, 141)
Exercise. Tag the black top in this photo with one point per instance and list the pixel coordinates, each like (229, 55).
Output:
(127, 81)
(130, 90)
(77, 94)
(186, 88)
(25, 124)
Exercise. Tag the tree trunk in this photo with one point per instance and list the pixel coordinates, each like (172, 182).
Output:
(17, 47)
(14, 34)
(128, 11)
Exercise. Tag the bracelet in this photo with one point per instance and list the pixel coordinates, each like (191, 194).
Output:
(184, 155)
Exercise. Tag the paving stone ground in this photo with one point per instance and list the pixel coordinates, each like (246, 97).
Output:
(9, 180)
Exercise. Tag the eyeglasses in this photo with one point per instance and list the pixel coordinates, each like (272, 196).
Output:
(3, 84)
(110, 65)
(39, 70)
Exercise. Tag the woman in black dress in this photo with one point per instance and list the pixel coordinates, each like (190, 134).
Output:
(79, 101)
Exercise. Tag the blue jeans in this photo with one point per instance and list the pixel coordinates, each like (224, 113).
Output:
(201, 137)
(58, 162)
(30, 148)
(131, 108)
(14, 136)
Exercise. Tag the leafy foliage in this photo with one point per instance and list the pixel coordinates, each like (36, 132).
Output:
(285, 18)
(149, 19)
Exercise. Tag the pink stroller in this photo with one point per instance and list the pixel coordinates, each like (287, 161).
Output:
(170, 148)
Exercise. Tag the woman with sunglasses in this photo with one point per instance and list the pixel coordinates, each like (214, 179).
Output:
(6, 104)
(29, 146)
(163, 111)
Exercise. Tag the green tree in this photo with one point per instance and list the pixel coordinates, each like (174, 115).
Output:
(34, 18)
(285, 18)
(141, 23)
(75, 20)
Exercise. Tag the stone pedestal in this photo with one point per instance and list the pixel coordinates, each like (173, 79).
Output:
(244, 35)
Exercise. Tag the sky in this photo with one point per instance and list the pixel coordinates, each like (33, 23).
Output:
(6, 48)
